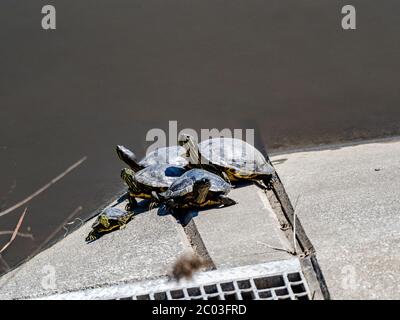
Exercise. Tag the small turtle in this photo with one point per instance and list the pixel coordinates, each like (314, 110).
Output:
(237, 158)
(110, 219)
(174, 155)
(154, 178)
(197, 188)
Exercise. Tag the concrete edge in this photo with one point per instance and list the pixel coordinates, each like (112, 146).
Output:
(333, 146)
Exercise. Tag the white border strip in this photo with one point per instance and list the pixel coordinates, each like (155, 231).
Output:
(164, 284)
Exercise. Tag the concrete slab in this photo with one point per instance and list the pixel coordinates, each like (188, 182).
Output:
(146, 248)
(245, 233)
(241, 235)
(349, 204)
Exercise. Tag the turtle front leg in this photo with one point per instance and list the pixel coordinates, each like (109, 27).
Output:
(226, 201)
(270, 181)
(266, 183)
(156, 199)
(261, 184)
(92, 236)
(172, 207)
(132, 203)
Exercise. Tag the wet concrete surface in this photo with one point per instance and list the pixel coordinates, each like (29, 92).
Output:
(111, 71)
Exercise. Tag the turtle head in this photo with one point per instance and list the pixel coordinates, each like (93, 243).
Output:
(200, 190)
(192, 149)
(127, 176)
(184, 138)
(103, 220)
(128, 157)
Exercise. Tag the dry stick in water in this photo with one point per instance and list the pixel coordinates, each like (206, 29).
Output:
(72, 222)
(15, 231)
(45, 187)
(19, 234)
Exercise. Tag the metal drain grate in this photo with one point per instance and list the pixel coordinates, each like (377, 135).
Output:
(280, 287)
(270, 281)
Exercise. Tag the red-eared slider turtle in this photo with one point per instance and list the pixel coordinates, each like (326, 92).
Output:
(197, 188)
(174, 155)
(154, 178)
(237, 158)
(110, 219)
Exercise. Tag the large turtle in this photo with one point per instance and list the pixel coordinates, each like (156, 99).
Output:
(154, 178)
(110, 219)
(197, 188)
(174, 155)
(237, 158)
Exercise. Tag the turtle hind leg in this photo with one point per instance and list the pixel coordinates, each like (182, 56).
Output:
(200, 190)
(226, 201)
(126, 220)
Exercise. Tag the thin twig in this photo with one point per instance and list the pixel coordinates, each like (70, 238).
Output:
(19, 234)
(294, 225)
(69, 223)
(15, 231)
(45, 187)
(278, 249)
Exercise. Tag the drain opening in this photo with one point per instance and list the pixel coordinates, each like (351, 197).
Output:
(287, 285)
(278, 287)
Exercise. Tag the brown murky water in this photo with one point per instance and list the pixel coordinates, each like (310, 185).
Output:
(115, 69)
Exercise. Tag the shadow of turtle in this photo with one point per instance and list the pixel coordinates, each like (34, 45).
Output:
(184, 216)
(142, 206)
(241, 184)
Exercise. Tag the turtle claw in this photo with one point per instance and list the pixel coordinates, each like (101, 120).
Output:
(91, 237)
(267, 183)
(130, 206)
(271, 182)
(226, 202)
(153, 204)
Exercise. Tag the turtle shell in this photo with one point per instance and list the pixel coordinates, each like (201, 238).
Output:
(235, 154)
(184, 184)
(174, 155)
(114, 213)
(159, 175)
